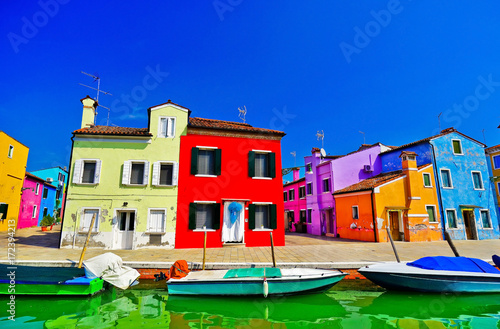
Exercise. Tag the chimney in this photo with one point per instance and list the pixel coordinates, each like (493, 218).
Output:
(409, 164)
(296, 174)
(89, 112)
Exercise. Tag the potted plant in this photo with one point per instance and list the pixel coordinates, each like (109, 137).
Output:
(47, 221)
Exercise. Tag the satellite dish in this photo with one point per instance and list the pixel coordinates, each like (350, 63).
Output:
(322, 152)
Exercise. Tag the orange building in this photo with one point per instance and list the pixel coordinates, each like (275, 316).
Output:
(405, 201)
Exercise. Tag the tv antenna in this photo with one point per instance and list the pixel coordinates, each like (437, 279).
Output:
(321, 135)
(484, 137)
(294, 154)
(439, 120)
(364, 136)
(98, 79)
(242, 113)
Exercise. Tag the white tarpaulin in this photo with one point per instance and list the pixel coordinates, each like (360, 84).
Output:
(110, 268)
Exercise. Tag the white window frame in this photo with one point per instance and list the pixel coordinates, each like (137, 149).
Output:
(480, 179)
(127, 172)
(447, 222)
(441, 177)
(97, 220)
(357, 212)
(206, 148)
(155, 180)
(493, 160)
(204, 229)
(37, 189)
(78, 171)
(435, 213)
(430, 178)
(149, 221)
(293, 194)
(34, 213)
(461, 148)
(310, 184)
(487, 211)
(170, 121)
(265, 229)
(11, 151)
(323, 185)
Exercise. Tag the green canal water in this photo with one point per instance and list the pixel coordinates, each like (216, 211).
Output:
(348, 305)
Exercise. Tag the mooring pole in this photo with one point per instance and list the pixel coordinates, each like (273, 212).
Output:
(392, 244)
(452, 246)
(86, 241)
(272, 249)
(204, 250)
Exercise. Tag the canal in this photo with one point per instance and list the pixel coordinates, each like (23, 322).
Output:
(350, 304)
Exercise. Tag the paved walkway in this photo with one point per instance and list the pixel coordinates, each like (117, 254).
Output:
(33, 245)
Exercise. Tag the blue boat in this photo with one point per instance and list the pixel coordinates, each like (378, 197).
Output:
(255, 282)
(436, 274)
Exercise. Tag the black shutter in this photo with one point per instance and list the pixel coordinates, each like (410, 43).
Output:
(272, 165)
(216, 216)
(273, 218)
(251, 164)
(251, 216)
(192, 215)
(194, 161)
(218, 153)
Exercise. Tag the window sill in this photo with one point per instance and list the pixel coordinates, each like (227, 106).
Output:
(202, 175)
(165, 185)
(455, 229)
(262, 230)
(487, 228)
(447, 188)
(89, 184)
(135, 185)
(427, 186)
(87, 232)
(458, 154)
(204, 230)
(479, 189)
(264, 178)
(155, 233)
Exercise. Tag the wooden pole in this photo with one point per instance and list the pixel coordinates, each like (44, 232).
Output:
(204, 250)
(452, 246)
(272, 249)
(86, 241)
(392, 244)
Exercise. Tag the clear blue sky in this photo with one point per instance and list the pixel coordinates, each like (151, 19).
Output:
(387, 68)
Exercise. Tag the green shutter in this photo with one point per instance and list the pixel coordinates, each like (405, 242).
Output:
(274, 219)
(192, 215)
(218, 153)
(194, 161)
(251, 164)
(272, 165)
(216, 216)
(251, 216)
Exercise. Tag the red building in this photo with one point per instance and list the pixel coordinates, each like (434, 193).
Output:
(230, 185)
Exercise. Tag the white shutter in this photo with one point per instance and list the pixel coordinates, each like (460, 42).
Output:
(171, 127)
(146, 173)
(163, 127)
(97, 174)
(156, 173)
(77, 172)
(175, 174)
(126, 172)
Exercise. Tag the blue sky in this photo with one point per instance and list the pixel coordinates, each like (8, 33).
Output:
(386, 68)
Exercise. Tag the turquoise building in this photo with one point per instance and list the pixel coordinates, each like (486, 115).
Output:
(58, 177)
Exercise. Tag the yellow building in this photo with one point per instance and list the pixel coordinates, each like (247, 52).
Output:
(13, 159)
(493, 155)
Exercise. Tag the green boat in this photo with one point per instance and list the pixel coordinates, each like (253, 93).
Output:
(34, 280)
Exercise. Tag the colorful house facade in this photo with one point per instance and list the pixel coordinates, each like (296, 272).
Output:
(230, 185)
(58, 177)
(461, 179)
(295, 204)
(127, 178)
(403, 201)
(47, 202)
(31, 197)
(493, 160)
(13, 159)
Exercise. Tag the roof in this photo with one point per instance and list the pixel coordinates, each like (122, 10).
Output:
(34, 177)
(56, 167)
(112, 130)
(229, 125)
(171, 103)
(294, 182)
(493, 148)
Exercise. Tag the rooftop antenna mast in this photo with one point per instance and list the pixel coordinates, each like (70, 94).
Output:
(484, 137)
(439, 120)
(364, 136)
(321, 135)
(98, 79)
(242, 114)
(294, 154)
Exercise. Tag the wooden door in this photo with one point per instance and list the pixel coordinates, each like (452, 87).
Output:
(470, 224)
(394, 222)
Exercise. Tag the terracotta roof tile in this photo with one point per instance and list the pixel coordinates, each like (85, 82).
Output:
(492, 148)
(295, 181)
(112, 130)
(229, 125)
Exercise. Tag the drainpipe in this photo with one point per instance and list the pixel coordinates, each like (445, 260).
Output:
(443, 215)
(375, 229)
(66, 193)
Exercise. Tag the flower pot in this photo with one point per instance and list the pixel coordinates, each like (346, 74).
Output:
(44, 228)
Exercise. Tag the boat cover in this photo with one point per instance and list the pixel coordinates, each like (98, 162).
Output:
(464, 264)
(259, 272)
(38, 274)
(110, 268)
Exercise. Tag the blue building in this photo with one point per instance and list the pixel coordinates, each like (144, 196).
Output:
(48, 201)
(58, 177)
(462, 181)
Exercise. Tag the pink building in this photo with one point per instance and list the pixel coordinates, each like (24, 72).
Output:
(31, 197)
(294, 195)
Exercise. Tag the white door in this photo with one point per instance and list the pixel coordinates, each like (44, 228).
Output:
(234, 221)
(124, 230)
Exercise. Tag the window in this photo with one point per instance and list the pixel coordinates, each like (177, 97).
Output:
(291, 215)
(446, 178)
(309, 167)
(37, 189)
(496, 162)
(45, 192)
(86, 220)
(355, 212)
(58, 194)
(485, 218)
(309, 188)
(11, 151)
(33, 215)
(291, 194)
(87, 171)
(3, 210)
(427, 179)
(59, 177)
(457, 146)
(135, 172)
(165, 173)
(204, 216)
(167, 127)
(206, 161)
(261, 164)
(156, 220)
(431, 210)
(451, 217)
(45, 211)
(262, 216)
(126, 220)
(477, 180)
(63, 177)
(285, 196)
(303, 216)
(309, 215)
(326, 185)
(302, 192)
